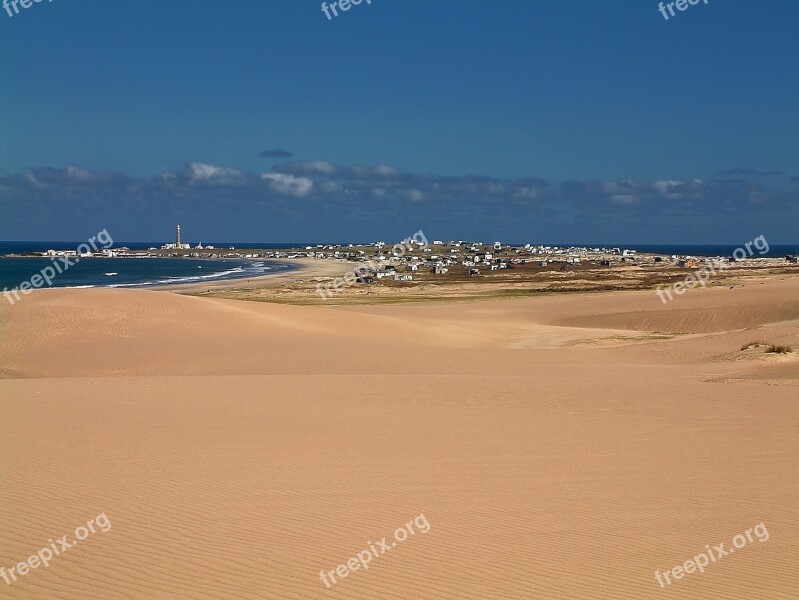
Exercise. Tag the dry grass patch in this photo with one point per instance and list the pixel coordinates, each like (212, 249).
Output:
(767, 348)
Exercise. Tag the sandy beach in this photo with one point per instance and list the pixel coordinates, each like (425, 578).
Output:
(562, 446)
(305, 269)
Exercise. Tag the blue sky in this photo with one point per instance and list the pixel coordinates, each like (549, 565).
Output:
(576, 120)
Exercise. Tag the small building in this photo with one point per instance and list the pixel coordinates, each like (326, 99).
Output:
(438, 270)
(364, 275)
(474, 271)
(403, 277)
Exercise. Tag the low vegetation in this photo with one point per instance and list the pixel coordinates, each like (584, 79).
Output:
(767, 348)
(778, 349)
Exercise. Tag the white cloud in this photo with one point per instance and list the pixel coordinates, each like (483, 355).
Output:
(35, 183)
(386, 170)
(526, 192)
(665, 186)
(308, 167)
(77, 174)
(204, 173)
(281, 183)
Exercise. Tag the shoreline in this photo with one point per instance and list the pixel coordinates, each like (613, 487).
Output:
(291, 269)
(303, 268)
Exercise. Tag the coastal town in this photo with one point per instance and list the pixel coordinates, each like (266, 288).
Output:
(417, 268)
(465, 269)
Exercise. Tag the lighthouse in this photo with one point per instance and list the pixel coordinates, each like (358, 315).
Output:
(178, 245)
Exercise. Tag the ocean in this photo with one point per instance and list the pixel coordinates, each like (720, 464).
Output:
(145, 272)
(127, 272)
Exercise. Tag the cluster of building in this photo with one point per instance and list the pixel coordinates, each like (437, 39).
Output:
(437, 258)
(441, 257)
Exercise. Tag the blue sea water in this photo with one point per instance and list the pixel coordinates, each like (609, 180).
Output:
(126, 272)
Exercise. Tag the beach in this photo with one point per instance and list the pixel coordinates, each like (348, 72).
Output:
(558, 446)
(303, 269)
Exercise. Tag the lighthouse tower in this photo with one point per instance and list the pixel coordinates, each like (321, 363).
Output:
(177, 239)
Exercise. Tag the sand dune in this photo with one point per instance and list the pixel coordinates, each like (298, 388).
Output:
(557, 446)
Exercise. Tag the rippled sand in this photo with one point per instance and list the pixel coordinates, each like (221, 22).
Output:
(565, 446)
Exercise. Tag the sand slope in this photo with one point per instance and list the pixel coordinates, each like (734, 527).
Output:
(558, 446)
